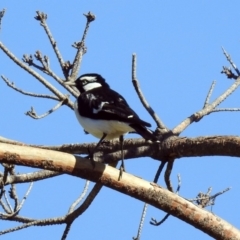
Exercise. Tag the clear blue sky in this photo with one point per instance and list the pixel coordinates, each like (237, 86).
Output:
(178, 45)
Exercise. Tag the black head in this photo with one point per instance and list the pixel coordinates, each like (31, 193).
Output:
(90, 81)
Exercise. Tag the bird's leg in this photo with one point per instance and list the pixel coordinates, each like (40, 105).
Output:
(94, 150)
(122, 167)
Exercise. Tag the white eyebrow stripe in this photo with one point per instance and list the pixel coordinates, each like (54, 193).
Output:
(130, 116)
(99, 107)
(90, 78)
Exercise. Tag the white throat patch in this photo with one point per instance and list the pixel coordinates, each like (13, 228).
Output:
(92, 85)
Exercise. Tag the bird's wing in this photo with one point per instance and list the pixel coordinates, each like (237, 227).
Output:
(109, 106)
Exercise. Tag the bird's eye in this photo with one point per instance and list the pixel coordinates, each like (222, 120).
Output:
(84, 82)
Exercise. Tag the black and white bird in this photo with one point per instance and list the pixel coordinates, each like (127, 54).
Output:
(104, 113)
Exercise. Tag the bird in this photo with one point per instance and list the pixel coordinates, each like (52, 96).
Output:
(105, 114)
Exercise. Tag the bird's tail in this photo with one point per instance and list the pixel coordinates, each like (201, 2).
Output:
(144, 132)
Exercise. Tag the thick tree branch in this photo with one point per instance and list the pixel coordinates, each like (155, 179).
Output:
(130, 185)
(178, 147)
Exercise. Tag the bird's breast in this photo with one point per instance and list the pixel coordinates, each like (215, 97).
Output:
(96, 127)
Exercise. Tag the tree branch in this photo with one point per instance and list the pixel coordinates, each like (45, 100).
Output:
(36, 75)
(206, 110)
(12, 85)
(81, 47)
(130, 185)
(144, 102)
(34, 115)
(230, 61)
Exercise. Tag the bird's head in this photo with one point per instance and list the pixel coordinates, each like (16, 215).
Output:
(88, 82)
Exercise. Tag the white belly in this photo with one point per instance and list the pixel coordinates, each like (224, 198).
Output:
(113, 128)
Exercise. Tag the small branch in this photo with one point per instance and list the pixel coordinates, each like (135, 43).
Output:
(1, 17)
(168, 173)
(136, 85)
(204, 199)
(44, 222)
(31, 177)
(207, 110)
(87, 202)
(12, 85)
(85, 189)
(230, 61)
(42, 17)
(36, 75)
(158, 173)
(162, 164)
(144, 212)
(179, 183)
(18, 206)
(66, 231)
(7, 207)
(46, 69)
(34, 115)
(226, 110)
(157, 223)
(209, 94)
(25, 197)
(81, 47)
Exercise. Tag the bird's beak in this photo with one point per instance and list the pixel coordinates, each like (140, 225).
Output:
(69, 83)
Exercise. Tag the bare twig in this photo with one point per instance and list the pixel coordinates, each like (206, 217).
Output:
(34, 115)
(136, 85)
(144, 212)
(43, 222)
(230, 61)
(226, 110)
(87, 202)
(18, 207)
(46, 69)
(158, 173)
(42, 18)
(168, 173)
(179, 183)
(5, 207)
(1, 17)
(12, 85)
(31, 177)
(161, 166)
(36, 75)
(81, 47)
(8, 205)
(209, 94)
(66, 231)
(207, 110)
(157, 223)
(205, 199)
(84, 192)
